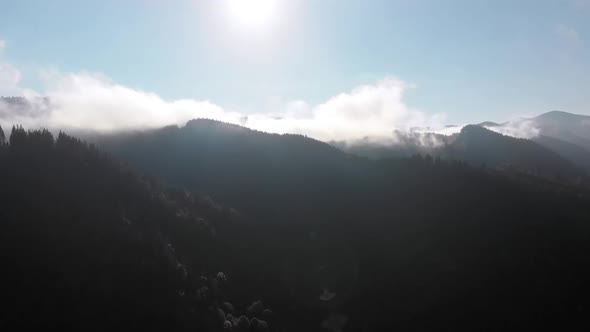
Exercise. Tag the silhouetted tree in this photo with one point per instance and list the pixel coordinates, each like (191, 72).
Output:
(17, 136)
(2, 137)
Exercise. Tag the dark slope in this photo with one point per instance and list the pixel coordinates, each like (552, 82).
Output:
(574, 153)
(478, 145)
(240, 166)
(416, 244)
(89, 245)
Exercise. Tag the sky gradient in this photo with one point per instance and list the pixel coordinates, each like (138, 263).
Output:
(461, 61)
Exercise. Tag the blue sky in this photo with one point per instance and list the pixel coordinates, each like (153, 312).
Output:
(472, 60)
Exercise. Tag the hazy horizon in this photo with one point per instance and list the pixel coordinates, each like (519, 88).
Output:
(331, 70)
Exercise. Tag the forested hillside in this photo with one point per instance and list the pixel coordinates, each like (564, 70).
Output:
(542, 156)
(412, 244)
(320, 239)
(88, 244)
(478, 145)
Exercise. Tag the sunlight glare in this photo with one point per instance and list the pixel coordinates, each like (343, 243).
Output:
(253, 13)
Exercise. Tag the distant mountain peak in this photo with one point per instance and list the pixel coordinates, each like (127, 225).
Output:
(475, 129)
(557, 112)
(561, 116)
(488, 124)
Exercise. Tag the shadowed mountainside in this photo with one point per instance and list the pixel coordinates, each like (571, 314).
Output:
(431, 242)
(88, 244)
(321, 237)
(478, 145)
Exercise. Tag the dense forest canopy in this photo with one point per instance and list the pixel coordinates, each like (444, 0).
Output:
(88, 244)
(304, 237)
(438, 243)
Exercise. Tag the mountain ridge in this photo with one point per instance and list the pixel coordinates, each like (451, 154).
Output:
(382, 236)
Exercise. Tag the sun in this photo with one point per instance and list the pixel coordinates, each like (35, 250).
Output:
(252, 13)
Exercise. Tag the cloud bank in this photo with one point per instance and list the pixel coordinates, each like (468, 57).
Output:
(519, 128)
(87, 101)
(373, 113)
(377, 110)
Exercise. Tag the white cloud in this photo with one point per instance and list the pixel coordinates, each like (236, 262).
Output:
(87, 101)
(92, 101)
(9, 79)
(520, 128)
(375, 110)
